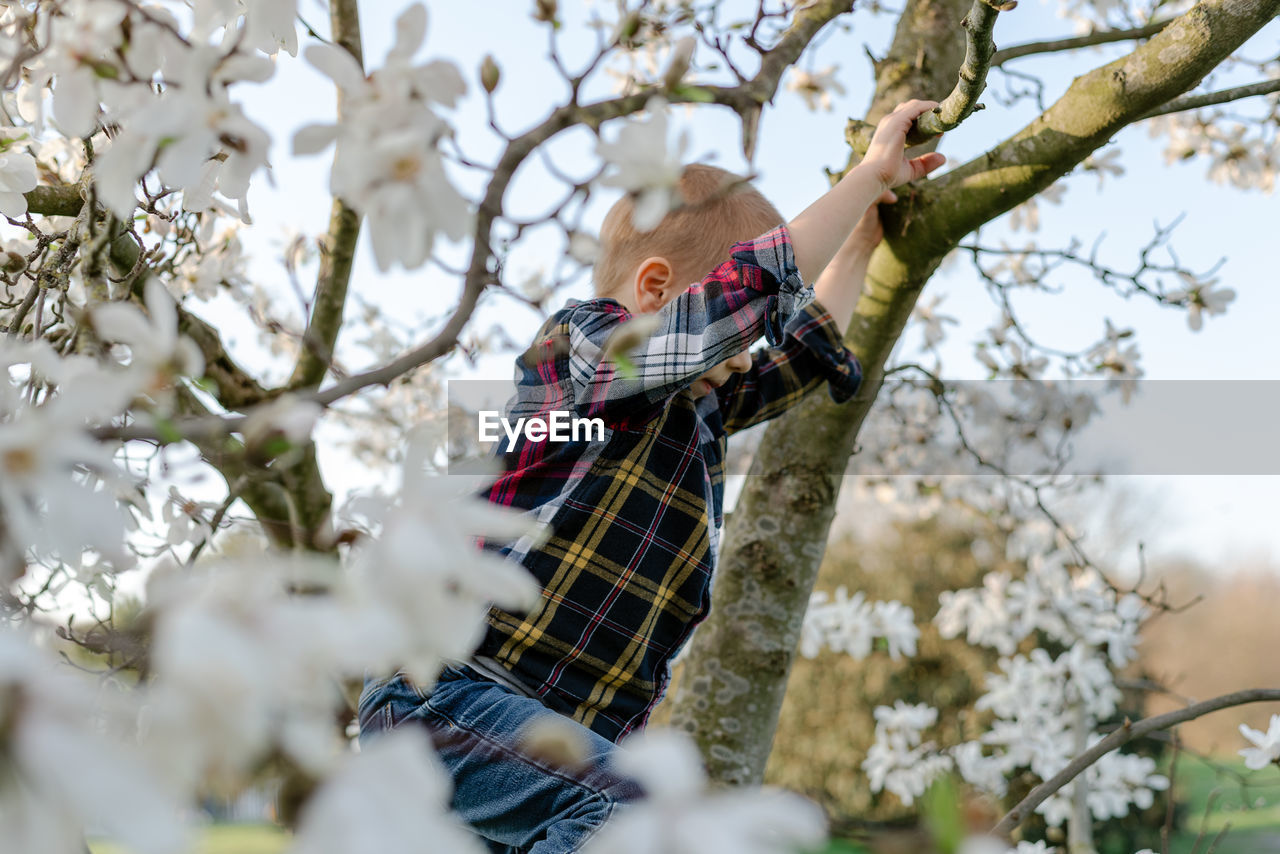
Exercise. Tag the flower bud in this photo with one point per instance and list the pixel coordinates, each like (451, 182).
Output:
(681, 55)
(490, 73)
(12, 262)
(545, 10)
(628, 27)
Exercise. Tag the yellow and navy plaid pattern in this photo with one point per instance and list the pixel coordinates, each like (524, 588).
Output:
(626, 571)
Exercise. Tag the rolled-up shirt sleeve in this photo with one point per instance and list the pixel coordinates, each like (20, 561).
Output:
(756, 292)
(812, 353)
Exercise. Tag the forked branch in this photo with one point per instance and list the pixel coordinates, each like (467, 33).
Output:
(979, 27)
(980, 47)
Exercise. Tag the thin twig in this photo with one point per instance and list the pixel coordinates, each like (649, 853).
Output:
(1088, 40)
(1122, 736)
(1195, 102)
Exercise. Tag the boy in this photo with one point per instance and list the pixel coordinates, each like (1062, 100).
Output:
(633, 519)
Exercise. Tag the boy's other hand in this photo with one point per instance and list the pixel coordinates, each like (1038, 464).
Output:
(869, 231)
(885, 156)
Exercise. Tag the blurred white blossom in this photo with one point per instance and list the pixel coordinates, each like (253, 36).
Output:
(850, 624)
(682, 815)
(62, 774)
(1266, 749)
(1027, 214)
(815, 87)
(642, 164)
(1201, 299)
(388, 164)
(390, 795)
(17, 175)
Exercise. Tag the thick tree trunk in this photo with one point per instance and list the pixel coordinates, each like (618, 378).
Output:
(737, 666)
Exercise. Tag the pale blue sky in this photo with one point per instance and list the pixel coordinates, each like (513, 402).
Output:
(1220, 520)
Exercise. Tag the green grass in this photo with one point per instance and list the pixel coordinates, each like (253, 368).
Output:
(1246, 803)
(222, 839)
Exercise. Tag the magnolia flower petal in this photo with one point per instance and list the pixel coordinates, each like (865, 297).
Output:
(411, 30)
(312, 139)
(75, 102)
(336, 64)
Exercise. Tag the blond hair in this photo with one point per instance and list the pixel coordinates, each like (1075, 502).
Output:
(717, 209)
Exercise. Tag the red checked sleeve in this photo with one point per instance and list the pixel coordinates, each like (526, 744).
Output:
(754, 293)
(812, 353)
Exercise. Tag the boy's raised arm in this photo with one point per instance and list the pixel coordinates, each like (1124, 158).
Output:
(819, 231)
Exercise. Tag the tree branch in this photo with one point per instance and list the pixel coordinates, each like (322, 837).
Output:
(1126, 733)
(1089, 113)
(758, 90)
(978, 25)
(60, 200)
(743, 99)
(339, 247)
(1096, 37)
(962, 102)
(1209, 99)
(236, 388)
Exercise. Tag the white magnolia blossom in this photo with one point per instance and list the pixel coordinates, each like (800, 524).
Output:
(387, 163)
(185, 519)
(241, 668)
(17, 174)
(157, 355)
(1118, 362)
(1027, 214)
(219, 263)
(815, 86)
(928, 316)
(391, 793)
(432, 585)
(1069, 607)
(50, 467)
(1237, 158)
(1201, 299)
(1040, 847)
(850, 624)
(218, 706)
(898, 761)
(1114, 784)
(642, 164)
(197, 138)
(1103, 164)
(1266, 746)
(1020, 267)
(985, 771)
(682, 815)
(1036, 698)
(61, 774)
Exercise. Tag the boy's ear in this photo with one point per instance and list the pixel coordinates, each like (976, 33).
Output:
(654, 284)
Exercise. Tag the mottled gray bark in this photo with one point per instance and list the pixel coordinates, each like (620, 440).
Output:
(736, 669)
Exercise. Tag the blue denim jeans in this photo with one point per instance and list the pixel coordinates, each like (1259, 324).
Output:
(516, 801)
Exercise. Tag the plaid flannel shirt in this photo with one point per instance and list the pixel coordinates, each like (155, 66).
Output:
(626, 570)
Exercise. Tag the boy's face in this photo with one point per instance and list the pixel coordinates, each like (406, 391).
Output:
(720, 374)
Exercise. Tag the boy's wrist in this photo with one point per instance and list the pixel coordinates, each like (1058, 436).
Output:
(867, 173)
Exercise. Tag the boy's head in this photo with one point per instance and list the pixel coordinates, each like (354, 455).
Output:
(646, 270)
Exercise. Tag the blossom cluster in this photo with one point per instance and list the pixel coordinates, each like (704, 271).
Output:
(1043, 707)
(850, 624)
